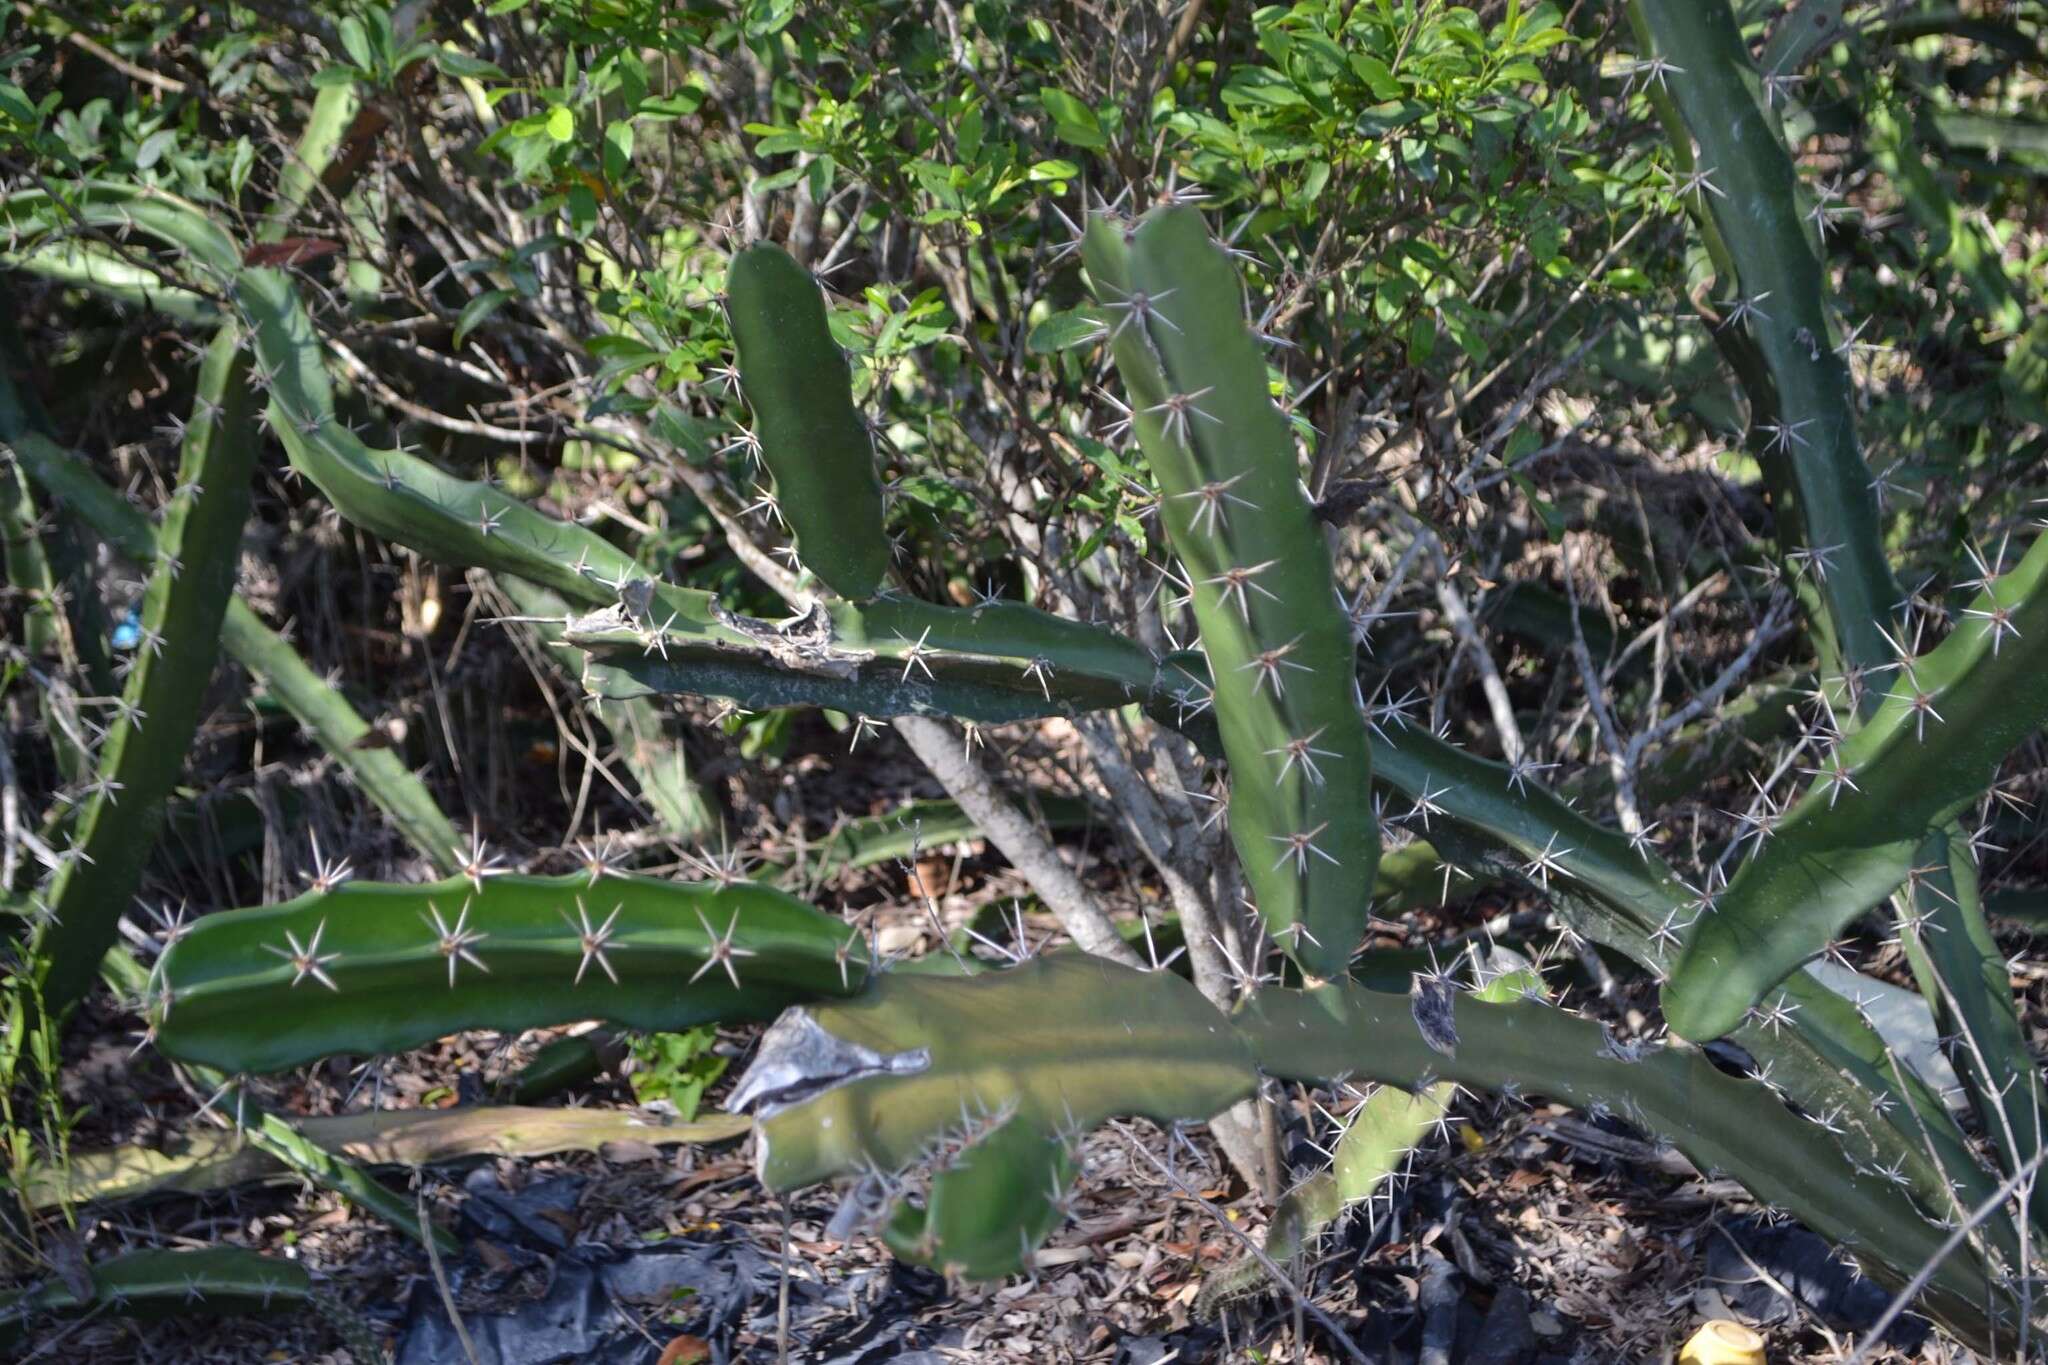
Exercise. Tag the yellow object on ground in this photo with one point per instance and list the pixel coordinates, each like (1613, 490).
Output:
(1722, 1342)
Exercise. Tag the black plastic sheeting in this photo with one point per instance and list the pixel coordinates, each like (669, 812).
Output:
(1806, 1265)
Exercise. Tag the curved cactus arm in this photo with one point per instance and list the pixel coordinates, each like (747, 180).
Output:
(995, 663)
(1932, 746)
(378, 968)
(400, 496)
(1803, 422)
(152, 1284)
(928, 1069)
(1809, 1041)
(315, 704)
(813, 442)
(188, 591)
(389, 492)
(185, 227)
(984, 1078)
(1280, 647)
(1964, 976)
(1719, 1122)
(90, 267)
(456, 521)
(990, 664)
(1628, 892)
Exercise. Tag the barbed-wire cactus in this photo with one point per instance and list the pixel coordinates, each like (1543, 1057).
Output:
(956, 1102)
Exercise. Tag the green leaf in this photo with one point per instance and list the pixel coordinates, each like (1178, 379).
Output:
(1378, 76)
(356, 43)
(154, 146)
(478, 309)
(453, 62)
(1073, 121)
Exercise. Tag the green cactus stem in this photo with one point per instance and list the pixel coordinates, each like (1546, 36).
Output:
(973, 1078)
(813, 442)
(223, 1281)
(1279, 646)
(364, 967)
(198, 549)
(1932, 746)
(271, 661)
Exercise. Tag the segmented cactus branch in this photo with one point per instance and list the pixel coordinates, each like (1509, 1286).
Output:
(1964, 976)
(270, 659)
(226, 1281)
(1278, 643)
(197, 552)
(368, 967)
(1719, 1122)
(1803, 422)
(811, 439)
(994, 663)
(976, 1078)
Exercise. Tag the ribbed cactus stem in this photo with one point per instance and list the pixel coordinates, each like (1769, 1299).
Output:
(367, 967)
(811, 438)
(1279, 645)
(1931, 747)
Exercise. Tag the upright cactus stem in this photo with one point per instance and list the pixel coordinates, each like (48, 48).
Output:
(190, 584)
(812, 440)
(1280, 648)
(1776, 327)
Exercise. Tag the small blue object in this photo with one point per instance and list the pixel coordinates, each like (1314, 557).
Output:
(128, 633)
